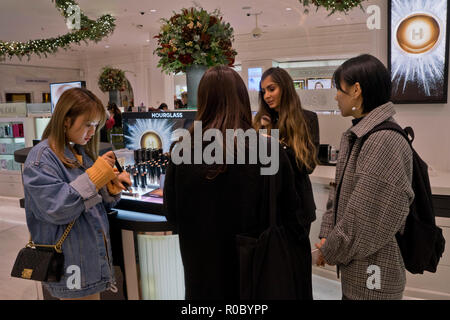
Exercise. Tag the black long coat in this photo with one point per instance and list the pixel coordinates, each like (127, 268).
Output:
(209, 213)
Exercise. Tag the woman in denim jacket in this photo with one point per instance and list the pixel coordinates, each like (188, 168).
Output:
(65, 181)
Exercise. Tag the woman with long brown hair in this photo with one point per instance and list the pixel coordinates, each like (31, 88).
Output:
(66, 181)
(280, 108)
(209, 204)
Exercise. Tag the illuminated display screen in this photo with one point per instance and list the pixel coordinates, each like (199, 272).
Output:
(315, 84)
(418, 51)
(254, 78)
(148, 137)
(56, 90)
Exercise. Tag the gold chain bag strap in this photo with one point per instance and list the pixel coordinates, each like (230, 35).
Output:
(41, 262)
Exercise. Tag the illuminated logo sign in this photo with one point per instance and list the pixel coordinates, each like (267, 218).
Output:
(418, 33)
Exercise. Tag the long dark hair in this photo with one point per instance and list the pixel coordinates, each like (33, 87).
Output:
(222, 103)
(290, 120)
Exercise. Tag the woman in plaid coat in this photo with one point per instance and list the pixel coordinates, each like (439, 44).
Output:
(373, 188)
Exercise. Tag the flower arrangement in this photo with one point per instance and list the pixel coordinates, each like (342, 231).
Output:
(194, 37)
(112, 79)
(333, 5)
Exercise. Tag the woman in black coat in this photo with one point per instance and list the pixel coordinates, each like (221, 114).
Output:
(280, 108)
(209, 204)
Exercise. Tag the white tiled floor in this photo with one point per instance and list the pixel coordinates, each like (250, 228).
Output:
(14, 235)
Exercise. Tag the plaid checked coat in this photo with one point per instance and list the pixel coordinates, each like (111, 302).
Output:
(374, 199)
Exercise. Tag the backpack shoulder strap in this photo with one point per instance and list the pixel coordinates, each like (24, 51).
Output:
(389, 125)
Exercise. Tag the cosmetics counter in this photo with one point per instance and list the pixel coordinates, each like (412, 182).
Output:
(152, 264)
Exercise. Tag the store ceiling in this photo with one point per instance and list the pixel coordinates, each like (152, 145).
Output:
(23, 20)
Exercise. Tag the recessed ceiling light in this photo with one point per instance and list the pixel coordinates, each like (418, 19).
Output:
(246, 8)
(288, 9)
(106, 46)
(148, 40)
(152, 10)
(339, 19)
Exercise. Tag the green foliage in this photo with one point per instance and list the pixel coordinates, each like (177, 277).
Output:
(112, 79)
(90, 30)
(333, 5)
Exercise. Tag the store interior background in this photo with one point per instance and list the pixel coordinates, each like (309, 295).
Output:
(289, 36)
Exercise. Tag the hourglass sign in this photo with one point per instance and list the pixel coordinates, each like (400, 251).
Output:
(418, 51)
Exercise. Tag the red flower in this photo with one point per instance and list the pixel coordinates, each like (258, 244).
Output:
(185, 59)
(212, 20)
(205, 38)
(174, 18)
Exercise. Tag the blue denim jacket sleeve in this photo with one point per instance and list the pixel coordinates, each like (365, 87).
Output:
(55, 200)
(109, 200)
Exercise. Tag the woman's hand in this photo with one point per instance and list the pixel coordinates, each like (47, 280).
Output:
(265, 120)
(110, 158)
(122, 179)
(320, 259)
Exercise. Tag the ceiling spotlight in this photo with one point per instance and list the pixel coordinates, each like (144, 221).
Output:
(153, 10)
(148, 40)
(106, 46)
(288, 9)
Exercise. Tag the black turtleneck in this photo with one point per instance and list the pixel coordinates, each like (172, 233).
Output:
(356, 121)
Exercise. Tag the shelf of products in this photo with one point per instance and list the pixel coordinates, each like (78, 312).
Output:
(12, 138)
(147, 140)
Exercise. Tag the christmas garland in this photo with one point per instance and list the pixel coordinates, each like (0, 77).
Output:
(333, 5)
(93, 30)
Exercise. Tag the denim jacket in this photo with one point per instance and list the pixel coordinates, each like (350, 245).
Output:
(56, 195)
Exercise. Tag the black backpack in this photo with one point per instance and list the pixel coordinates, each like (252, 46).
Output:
(422, 243)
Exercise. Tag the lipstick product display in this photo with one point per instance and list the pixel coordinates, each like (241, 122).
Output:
(148, 170)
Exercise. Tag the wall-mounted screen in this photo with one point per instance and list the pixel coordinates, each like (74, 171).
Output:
(56, 90)
(254, 78)
(148, 137)
(418, 51)
(319, 83)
